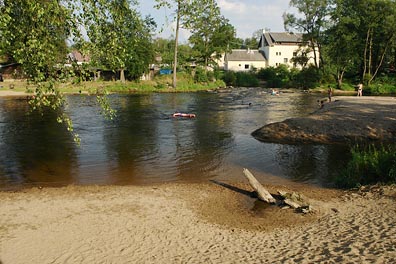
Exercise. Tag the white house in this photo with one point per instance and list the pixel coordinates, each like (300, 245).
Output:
(280, 48)
(244, 60)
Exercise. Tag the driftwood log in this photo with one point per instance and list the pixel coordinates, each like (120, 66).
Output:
(262, 193)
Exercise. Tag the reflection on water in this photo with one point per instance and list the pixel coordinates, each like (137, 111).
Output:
(144, 144)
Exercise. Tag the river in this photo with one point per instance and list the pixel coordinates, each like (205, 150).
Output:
(144, 144)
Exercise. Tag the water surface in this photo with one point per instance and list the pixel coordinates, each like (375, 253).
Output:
(145, 144)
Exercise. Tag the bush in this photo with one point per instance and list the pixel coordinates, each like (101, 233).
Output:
(246, 79)
(275, 76)
(230, 78)
(308, 78)
(368, 166)
(200, 75)
(379, 88)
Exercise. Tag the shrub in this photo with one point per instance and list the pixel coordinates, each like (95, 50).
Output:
(246, 79)
(369, 165)
(275, 76)
(200, 75)
(379, 88)
(229, 78)
(308, 78)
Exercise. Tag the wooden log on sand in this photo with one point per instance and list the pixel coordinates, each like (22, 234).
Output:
(263, 194)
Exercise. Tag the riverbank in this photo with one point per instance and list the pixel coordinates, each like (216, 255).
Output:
(185, 83)
(346, 119)
(194, 223)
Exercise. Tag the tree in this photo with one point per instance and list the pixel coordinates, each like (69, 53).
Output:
(181, 8)
(361, 36)
(34, 34)
(211, 32)
(342, 40)
(165, 47)
(378, 19)
(312, 23)
(119, 38)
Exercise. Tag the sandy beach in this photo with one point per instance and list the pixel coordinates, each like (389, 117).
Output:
(194, 223)
(208, 222)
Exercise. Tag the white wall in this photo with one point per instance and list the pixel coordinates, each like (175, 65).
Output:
(277, 54)
(240, 65)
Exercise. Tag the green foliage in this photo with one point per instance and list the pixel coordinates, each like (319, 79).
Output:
(210, 31)
(378, 88)
(106, 110)
(230, 78)
(246, 79)
(275, 76)
(119, 39)
(34, 33)
(348, 87)
(241, 79)
(308, 78)
(369, 165)
(201, 75)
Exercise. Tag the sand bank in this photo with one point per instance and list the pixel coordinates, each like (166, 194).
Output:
(194, 223)
(346, 119)
(8, 93)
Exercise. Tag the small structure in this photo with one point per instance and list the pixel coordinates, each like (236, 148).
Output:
(77, 57)
(244, 60)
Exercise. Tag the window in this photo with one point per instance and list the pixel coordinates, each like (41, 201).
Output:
(285, 60)
(246, 66)
(276, 53)
(280, 53)
(276, 64)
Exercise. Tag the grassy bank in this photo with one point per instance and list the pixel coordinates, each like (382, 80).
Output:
(159, 84)
(369, 165)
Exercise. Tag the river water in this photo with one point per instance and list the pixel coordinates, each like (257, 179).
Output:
(144, 144)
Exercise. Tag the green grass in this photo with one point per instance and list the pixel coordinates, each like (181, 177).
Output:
(159, 84)
(369, 165)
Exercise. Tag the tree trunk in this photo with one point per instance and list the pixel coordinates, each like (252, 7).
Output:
(174, 84)
(263, 194)
(365, 54)
(381, 61)
(122, 75)
(369, 67)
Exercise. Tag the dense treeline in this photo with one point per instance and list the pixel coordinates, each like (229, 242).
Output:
(353, 41)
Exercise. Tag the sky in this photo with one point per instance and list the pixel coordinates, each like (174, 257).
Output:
(247, 16)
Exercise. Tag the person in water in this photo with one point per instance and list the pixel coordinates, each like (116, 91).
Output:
(183, 115)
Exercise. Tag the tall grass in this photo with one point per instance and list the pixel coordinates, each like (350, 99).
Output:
(369, 165)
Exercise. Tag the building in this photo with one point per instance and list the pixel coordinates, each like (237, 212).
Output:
(273, 50)
(77, 57)
(279, 48)
(244, 60)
